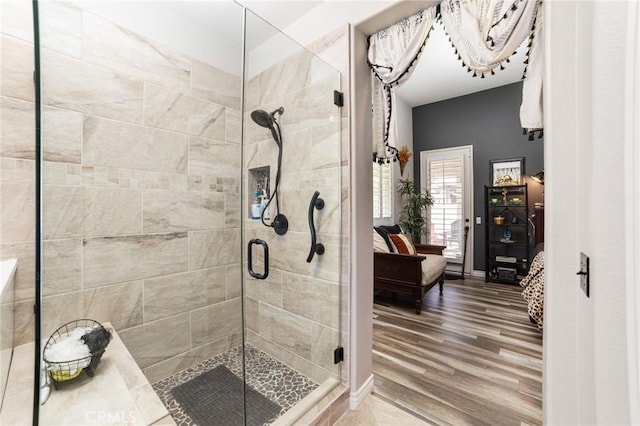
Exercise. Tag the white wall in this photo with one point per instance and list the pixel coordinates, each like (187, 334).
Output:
(405, 137)
(586, 374)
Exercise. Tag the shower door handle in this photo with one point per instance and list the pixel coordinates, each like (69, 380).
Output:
(265, 248)
(316, 248)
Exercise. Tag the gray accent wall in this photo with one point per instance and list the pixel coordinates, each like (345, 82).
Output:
(488, 120)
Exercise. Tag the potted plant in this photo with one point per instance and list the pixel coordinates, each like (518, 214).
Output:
(412, 215)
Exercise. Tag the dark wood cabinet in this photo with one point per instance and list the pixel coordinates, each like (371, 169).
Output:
(507, 233)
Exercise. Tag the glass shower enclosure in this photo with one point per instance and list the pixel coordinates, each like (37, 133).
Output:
(191, 203)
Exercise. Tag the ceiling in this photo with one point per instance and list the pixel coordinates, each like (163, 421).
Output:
(438, 74)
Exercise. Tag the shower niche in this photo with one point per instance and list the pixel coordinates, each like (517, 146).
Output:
(258, 192)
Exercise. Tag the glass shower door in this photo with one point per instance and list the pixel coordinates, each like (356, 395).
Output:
(291, 203)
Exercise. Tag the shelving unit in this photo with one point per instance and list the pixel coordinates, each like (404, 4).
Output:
(507, 233)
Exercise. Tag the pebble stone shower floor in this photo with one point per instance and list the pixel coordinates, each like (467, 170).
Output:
(265, 374)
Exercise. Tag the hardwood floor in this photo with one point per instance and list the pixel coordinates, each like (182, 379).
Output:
(472, 356)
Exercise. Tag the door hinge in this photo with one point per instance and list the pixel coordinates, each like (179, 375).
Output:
(338, 355)
(338, 98)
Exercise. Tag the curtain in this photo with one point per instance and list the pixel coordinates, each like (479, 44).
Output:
(392, 53)
(484, 34)
(531, 108)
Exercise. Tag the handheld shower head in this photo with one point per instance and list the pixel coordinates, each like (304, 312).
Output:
(262, 118)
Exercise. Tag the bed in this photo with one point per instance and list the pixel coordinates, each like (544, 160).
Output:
(533, 291)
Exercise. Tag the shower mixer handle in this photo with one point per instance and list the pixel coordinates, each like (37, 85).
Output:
(316, 248)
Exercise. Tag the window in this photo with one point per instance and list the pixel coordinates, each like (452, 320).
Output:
(382, 196)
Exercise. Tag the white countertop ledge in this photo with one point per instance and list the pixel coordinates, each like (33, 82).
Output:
(7, 271)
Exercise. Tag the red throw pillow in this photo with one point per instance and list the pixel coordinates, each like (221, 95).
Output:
(403, 244)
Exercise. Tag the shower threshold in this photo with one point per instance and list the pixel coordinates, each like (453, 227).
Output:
(268, 376)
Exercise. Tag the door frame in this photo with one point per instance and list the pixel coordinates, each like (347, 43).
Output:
(467, 152)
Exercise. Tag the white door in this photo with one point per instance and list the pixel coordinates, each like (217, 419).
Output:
(448, 176)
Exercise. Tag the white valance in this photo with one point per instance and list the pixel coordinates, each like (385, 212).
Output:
(484, 33)
(392, 53)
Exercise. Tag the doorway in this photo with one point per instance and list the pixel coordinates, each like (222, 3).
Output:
(448, 176)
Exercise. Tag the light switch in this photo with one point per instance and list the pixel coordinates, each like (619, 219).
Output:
(478, 220)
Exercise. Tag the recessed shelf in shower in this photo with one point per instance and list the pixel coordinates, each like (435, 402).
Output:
(258, 191)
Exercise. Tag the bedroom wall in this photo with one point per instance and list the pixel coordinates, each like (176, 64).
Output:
(488, 120)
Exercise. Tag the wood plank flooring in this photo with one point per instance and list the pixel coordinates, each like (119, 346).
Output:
(472, 356)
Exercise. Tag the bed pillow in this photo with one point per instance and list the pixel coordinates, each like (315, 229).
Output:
(402, 244)
(379, 244)
(385, 230)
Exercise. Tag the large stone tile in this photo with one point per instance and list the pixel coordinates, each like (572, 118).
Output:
(17, 216)
(23, 322)
(211, 158)
(172, 110)
(326, 146)
(312, 298)
(16, 69)
(17, 128)
(60, 309)
(118, 259)
(119, 304)
(25, 273)
(61, 27)
(63, 211)
(324, 341)
(177, 293)
(61, 135)
(116, 144)
(289, 75)
(61, 266)
(251, 314)
(215, 85)
(268, 290)
(311, 106)
(233, 281)
(76, 85)
(290, 331)
(159, 340)
(214, 248)
(167, 211)
(112, 211)
(232, 210)
(216, 322)
(297, 153)
(233, 133)
(122, 50)
(16, 20)
(180, 362)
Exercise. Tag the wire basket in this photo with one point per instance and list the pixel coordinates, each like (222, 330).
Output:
(62, 371)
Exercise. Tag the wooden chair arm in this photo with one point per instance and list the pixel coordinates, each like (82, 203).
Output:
(429, 249)
(397, 257)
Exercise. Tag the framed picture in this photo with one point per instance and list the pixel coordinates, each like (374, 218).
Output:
(507, 172)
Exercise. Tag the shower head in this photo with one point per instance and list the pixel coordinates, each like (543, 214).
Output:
(268, 120)
(262, 118)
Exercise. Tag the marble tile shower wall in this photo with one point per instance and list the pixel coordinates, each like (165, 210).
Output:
(295, 314)
(141, 188)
